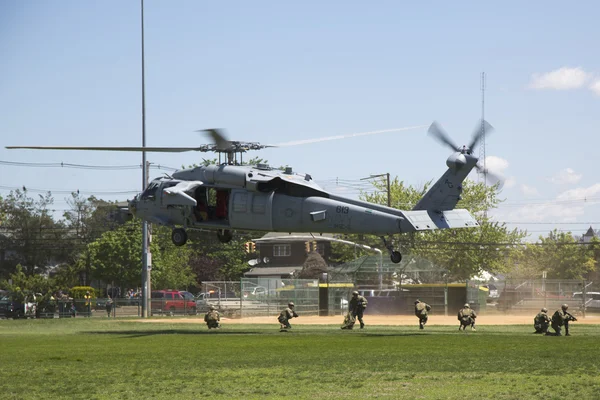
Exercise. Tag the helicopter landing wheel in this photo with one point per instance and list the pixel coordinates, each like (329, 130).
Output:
(224, 235)
(179, 236)
(396, 257)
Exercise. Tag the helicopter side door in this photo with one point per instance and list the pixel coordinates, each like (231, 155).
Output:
(250, 210)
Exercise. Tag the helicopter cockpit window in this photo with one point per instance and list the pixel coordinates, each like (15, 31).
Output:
(150, 190)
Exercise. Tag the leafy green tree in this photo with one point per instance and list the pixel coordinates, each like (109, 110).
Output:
(117, 257)
(562, 256)
(30, 233)
(87, 219)
(463, 252)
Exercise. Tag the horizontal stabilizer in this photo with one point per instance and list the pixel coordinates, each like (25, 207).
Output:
(423, 220)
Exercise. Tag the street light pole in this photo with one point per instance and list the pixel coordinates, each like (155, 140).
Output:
(146, 255)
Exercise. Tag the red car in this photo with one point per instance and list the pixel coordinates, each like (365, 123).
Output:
(171, 302)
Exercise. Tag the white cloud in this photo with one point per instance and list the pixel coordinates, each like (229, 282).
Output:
(595, 87)
(589, 194)
(565, 176)
(529, 191)
(560, 79)
(541, 212)
(496, 164)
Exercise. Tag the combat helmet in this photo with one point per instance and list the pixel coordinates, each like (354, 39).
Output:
(467, 305)
(290, 304)
(211, 308)
(355, 293)
(417, 301)
(544, 309)
(564, 307)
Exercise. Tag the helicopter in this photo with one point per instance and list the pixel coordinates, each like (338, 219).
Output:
(231, 196)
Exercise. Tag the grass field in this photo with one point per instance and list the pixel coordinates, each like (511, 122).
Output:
(113, 359)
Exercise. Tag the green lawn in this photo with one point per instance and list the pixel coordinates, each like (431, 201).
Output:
(108, 359)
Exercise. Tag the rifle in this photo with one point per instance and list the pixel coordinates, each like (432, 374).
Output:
(570, 317)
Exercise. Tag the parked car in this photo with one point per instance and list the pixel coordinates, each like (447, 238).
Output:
(256, 291)
(172, 302)
(592, 300)
(12, 308)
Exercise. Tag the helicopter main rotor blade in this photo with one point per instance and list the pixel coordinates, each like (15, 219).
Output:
(436, 131)
(218, 137)
(140, 149)
(483, 128)
(324, 139)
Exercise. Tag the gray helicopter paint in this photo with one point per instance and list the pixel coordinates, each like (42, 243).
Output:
(445, 193)
(250, 209)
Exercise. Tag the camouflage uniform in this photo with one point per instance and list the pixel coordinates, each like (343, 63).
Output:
(285, 316)
(466, 316)
(212, 318)
(421, 309)
(541, 322)
(559, 318)
(357, 306)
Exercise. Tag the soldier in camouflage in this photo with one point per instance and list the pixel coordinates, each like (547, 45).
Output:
(285, 316)
(357, 307)
(466, 316)
(559, 318)
(541, 322)
(421, 310)
(212, 318)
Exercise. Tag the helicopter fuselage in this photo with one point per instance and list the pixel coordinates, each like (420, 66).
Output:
(233, 197)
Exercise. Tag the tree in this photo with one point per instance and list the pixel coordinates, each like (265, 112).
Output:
(314, 266)
(463, 252)
(87, 219)
(562, 256)
(117, 257)
(30, 233)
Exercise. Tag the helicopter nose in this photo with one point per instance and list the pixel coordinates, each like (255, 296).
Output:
(133, 206)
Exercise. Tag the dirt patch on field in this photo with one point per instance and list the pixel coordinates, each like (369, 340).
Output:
(392, 320)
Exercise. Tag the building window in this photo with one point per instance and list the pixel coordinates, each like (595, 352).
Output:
(282, 250)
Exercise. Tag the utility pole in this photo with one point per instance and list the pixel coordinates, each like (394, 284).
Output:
(389, 194)
(146, 255)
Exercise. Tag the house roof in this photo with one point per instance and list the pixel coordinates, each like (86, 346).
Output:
(273, 271)
(293, 237)
(590, 232)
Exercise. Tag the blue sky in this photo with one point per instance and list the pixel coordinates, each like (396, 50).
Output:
(70, 74)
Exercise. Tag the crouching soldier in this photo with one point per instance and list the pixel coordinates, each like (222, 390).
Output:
(349, 321)
(421, 310)
(466, 316)
(212, 318)
(285, 316)
(541, 322)
(559, 318)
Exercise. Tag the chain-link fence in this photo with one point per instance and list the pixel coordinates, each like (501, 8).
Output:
(531, 295)
(260, 296)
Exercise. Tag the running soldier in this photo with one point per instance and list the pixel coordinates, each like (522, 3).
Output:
(541, 322)
(285, 316)
(212, 318)
(466, 316)
(559, 318)
(357, 307)
(421, 310)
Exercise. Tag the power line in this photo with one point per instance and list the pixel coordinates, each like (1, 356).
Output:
(83, 166)
(63, 191)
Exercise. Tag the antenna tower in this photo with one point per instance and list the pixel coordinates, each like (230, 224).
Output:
(482, 142)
